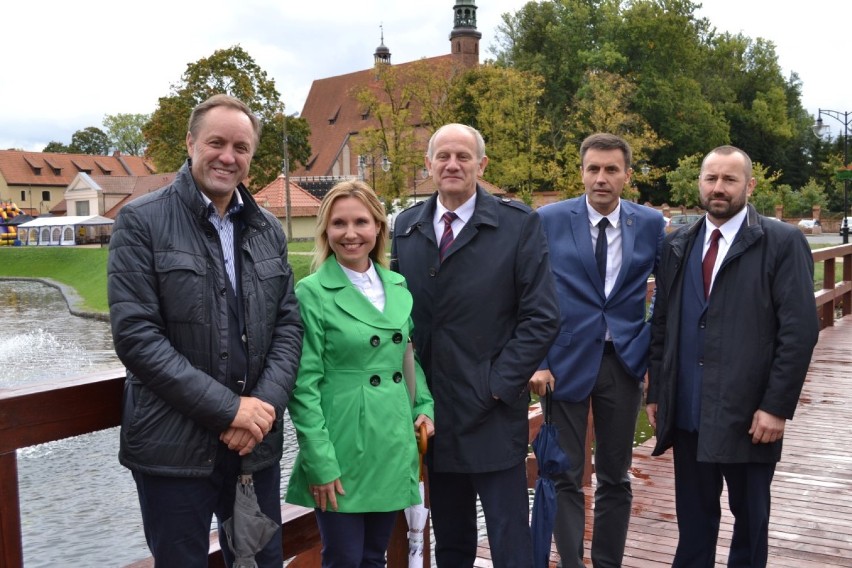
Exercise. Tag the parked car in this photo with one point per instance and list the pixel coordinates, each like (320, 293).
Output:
(808, 224)
(679, 221)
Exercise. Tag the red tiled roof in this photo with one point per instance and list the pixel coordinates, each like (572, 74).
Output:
(54, 169)
(273, 197)
(130, 186)
(334, 114)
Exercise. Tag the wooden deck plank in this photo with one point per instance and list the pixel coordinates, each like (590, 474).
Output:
(811, 519)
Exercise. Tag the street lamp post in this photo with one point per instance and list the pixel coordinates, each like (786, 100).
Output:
(385, 164)
(820, 129)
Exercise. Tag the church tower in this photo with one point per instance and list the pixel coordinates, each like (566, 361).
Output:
(464, 39)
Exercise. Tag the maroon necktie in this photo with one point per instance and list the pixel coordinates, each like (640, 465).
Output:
(710, 261)
(447, 236)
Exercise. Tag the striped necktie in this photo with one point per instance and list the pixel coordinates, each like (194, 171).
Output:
(447, 237)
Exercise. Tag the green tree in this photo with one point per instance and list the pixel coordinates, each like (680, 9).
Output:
(90, 140)
(602, 104)
(809, 196)
(57, 147)
(554, 40)
(683, 181)
(125, 132)
(432, 86)
(234, 72)
(502, 103)
(405, 104)
(694, 87)
(767, 194)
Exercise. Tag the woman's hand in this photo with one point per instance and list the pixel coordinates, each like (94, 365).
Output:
(326, 494)
(430, 426)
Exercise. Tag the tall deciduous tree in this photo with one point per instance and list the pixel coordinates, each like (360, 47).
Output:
(403, 102)
(125, 132)
(90, 140)
(58, 147)
(231, 71)
(502, 103)
(603, 105)
(552, 39)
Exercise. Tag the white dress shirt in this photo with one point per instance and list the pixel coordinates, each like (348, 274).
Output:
(729, 230)
(369, 284)
(464, 212)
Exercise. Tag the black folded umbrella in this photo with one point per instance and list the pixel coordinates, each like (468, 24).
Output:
(248, 530)
(551, 460)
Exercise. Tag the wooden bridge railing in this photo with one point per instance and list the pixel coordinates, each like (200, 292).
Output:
(73, 406)
(834, 296)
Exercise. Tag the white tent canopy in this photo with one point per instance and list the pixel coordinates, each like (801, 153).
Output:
(71, 220)
(60, 230)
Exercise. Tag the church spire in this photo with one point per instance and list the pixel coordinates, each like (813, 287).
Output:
(464, 39)
(382, 54)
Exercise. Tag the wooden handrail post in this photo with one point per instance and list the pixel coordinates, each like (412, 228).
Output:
(11, 547)
(846, 296)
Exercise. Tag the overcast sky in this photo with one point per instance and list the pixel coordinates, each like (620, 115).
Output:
(67, 64)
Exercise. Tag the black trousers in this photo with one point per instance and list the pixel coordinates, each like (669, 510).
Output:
(698, 490)
(505, 503)
(177, 512)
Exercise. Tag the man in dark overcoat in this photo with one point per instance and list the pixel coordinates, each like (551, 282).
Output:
(484, 315)
(733, 331)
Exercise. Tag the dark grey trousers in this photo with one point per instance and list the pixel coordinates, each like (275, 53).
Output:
(615, 402)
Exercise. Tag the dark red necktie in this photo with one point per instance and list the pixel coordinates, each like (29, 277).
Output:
(447, 236)
(710, 261)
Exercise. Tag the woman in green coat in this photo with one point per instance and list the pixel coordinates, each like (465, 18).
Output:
(355, 421)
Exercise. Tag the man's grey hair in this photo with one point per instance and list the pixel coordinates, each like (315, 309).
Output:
(480, 142)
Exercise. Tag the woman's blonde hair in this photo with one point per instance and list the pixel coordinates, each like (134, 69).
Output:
(363, 193)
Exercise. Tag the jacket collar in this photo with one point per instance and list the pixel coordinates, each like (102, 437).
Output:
(191, 196)
(750, 232)
(484, 213)
(347, 297)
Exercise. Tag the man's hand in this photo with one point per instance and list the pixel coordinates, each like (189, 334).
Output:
(239, 440)
(766, 428)
(651, 409)
(539, 381)
(255, 416)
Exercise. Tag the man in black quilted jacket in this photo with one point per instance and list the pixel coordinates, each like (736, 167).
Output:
(205, 320)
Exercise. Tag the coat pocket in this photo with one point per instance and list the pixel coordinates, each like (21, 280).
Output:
(182, 286)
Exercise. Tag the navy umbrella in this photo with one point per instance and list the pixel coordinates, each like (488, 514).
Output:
(551, 460)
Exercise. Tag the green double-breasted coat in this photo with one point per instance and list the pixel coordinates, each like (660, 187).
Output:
(350, 406)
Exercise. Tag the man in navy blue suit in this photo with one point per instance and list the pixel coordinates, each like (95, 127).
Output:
(602, 251)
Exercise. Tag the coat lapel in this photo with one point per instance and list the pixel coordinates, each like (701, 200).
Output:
(583, 237)
(627, 220)
(350, 300)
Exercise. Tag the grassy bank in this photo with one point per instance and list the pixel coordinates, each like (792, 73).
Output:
(84, 269)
